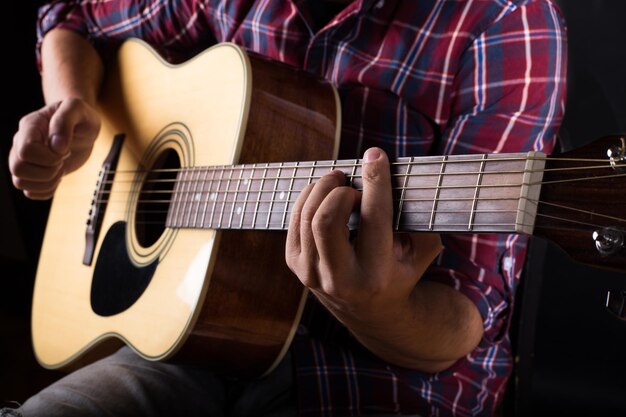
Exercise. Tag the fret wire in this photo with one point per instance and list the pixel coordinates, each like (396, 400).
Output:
(208, 195)
(258, 200)
(245, 201)
(232, 211)
(172, 205)
(401, 202)
(194, 195)
(188, 201)
(181, 198)
(353, 175)
(213, 197)
(206, 174)
(291, 181)
(230, 176)
(312, 172)
(478, 183)
(273, 197)
(185, 200)
(442, 168)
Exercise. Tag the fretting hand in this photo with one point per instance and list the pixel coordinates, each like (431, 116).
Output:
(368, 279)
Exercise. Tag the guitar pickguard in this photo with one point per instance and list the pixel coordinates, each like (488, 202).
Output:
(117, 283)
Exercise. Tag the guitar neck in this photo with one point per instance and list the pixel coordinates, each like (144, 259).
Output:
(470, 193)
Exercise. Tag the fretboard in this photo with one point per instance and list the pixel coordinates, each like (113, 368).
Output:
(470, 193)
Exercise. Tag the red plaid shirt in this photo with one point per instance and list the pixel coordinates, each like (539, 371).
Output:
(415, 77)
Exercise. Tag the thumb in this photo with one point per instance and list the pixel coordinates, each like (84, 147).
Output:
(62, 124)
(60, 143)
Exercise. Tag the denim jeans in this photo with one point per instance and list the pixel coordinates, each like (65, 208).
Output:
(124, 384)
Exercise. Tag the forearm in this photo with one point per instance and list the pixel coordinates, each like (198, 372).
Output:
(435, 327)
(71, 67)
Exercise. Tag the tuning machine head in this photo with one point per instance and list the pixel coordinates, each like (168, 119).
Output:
(609, 241)
(617, 156)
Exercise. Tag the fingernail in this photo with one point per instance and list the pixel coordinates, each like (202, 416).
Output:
(371, 155)
(58, 143)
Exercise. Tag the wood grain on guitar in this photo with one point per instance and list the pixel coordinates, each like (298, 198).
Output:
(189, 262)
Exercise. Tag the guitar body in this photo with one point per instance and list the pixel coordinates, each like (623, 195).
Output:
(224, 299)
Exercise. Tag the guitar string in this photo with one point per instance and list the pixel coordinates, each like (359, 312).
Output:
(417, 226)
(265, 167)
(259, 199)
(428, 160)
(351, 178)
(286, 178)
(211, 193)
(287, 211)
(232, 204)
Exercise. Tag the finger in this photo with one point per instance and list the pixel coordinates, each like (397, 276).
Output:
(375, 227)
(319, 192)
(70, 115)
(293, 246)
(300, 263)
(330, 229)
(47, 186)
(301, 252)
(39, 196)
(32, 172)
(30, 143)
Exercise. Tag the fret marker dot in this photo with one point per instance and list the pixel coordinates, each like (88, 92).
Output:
(282, 195)
(197, 196)
(246, 181)
(239, 211)
(213, 196)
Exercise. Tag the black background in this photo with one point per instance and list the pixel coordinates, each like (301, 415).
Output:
(571, 352)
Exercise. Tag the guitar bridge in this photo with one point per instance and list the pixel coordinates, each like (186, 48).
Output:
(101, 198)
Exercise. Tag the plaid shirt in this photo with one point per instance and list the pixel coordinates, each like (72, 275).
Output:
(415, 78)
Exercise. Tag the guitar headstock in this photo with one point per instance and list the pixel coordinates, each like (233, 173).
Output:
(582, 206)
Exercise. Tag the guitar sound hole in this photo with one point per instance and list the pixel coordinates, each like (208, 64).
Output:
(154, 198)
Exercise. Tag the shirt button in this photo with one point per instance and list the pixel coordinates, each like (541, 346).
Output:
(380, 4)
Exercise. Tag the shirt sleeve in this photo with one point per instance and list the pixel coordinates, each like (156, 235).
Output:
(177, 29)
(509, 97)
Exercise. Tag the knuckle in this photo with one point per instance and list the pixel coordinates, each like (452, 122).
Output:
(29, 119)
(322, 222)
(309, 278)
(372, 174)
(24, 151)
(334, 290)
(17, 182)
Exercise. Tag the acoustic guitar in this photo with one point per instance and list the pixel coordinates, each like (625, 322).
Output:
(171, 237)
